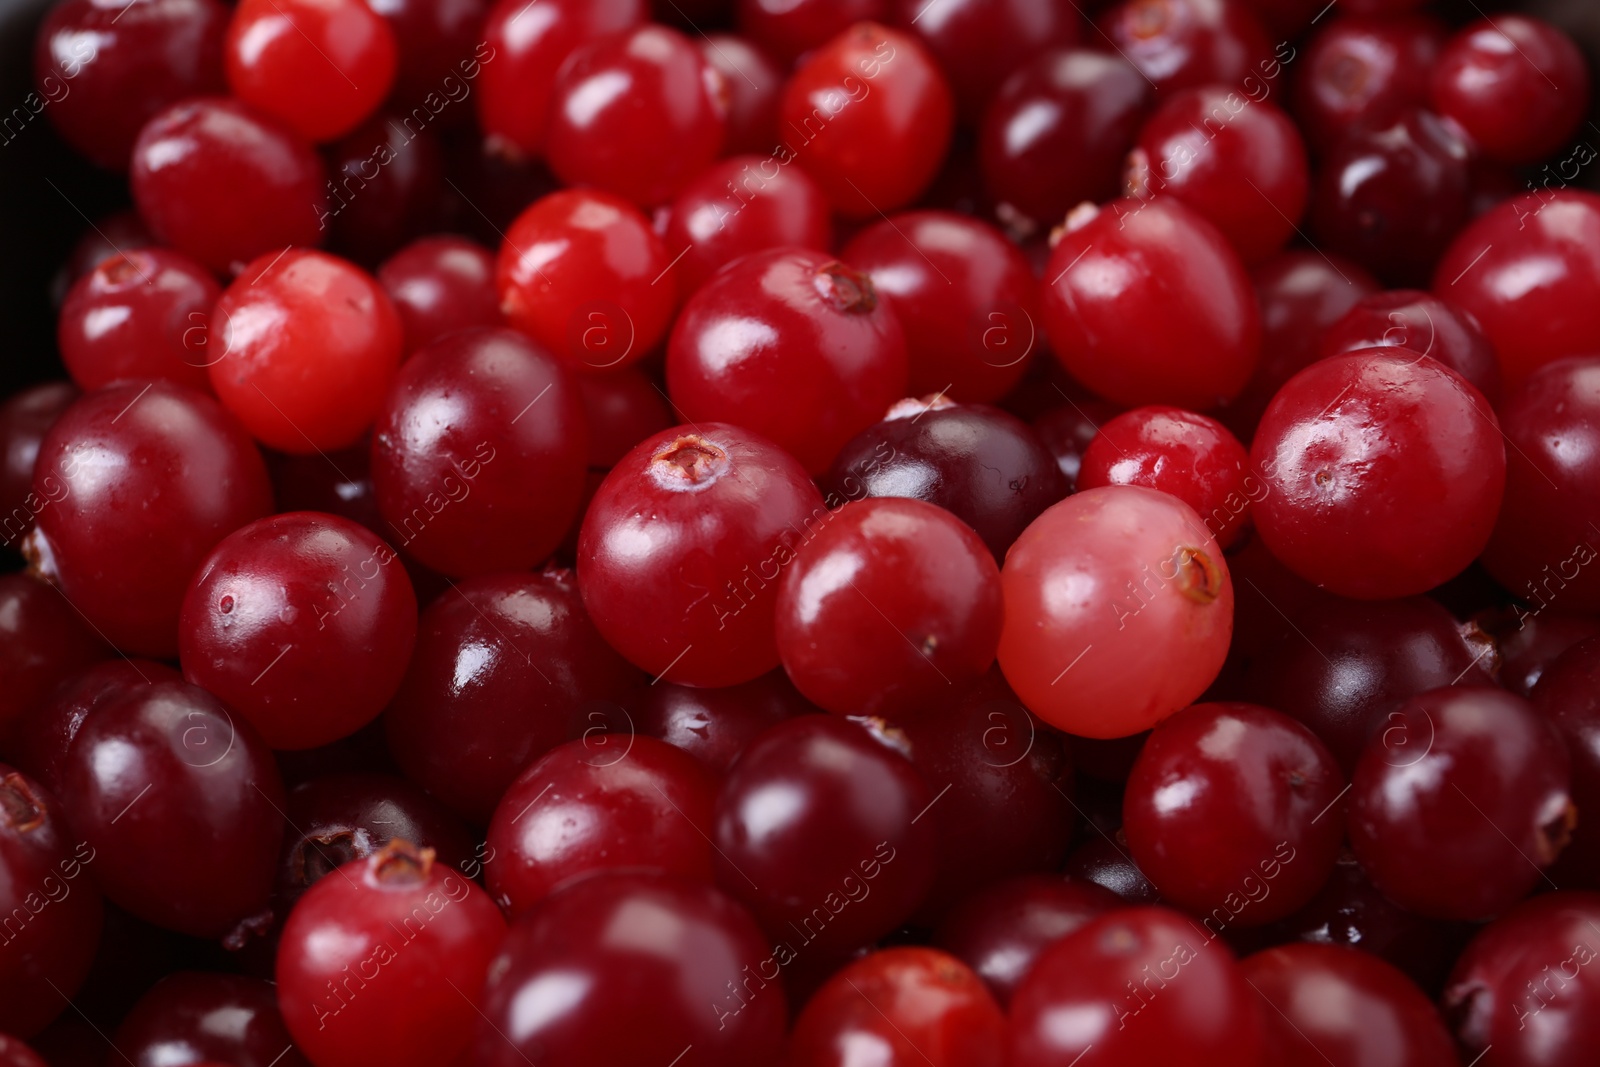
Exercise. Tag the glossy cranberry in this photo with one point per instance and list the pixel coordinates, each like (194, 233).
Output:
(715, 725)
(818, 830)
(142, 481)
(119, 232)
(1445, 764)
(441, 48)
(1568, 697)
(1361, 71)
(194, 1017)
(137, 315)
(753, 84)
(681, 962)
(1180, 325)
(105, 69)
(1056, 132)
(1178, 44)
(182, 805)
(529, 44)
(44, 641)
(440, 285)
(1128, 987)
(1104, 861)
(504, 665)
(791, 28)
(1384, 471)
(1382, 1016)
(25, 417)
(979, 43)
(387, 184)
(739, 205)
(621, 409)
(1424, 324)
(792, 341)
(909, 1005)
(869, 116)
(1523, 993)
(1531, 641)
(1067, 431)
(419, 933)
(583, 273)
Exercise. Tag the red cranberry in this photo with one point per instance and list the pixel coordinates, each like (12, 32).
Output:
(387, 186)
(621, 409)
(1534, 643)
(1569, 697)
(791, 28)
(44, 641)
(441, 45)
(196, 1018)
(138, 315)
(715, 725)
(1104, 861)
(1425, 324)
(979, 43)
(440, 285)
(25, 417)
(754, 85)
(1178, 44)
(1363, 71)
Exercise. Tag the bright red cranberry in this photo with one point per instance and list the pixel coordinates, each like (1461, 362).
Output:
(142, 481)
(1180, 324)
(137, 315)
(225, 184)
(1523, 992)
(387, 961)
(1363, 71)
(1384, 471)
(387, 186)
(441, 48)
(978, 43)
(182, 805)
(791, 341)
(583, 273)
(715, 725)
(1203, 144)
(25, 417)
(1129, 987)
(909, 1005)
(1382, 1016)
(869, 116)
(1191, 456)
(506, 667)
(1569, 697)
(1057, 131)
(195, 1017)
(740, 205)
(1445, 764)
(791, 28)
(1518, 86)
(818, 829)
(1143, 575)
(37, 743)
(104, 67)
(1067, 431)
(44, 641)
(965, 297)
(1425, 324)
(440, 285)
(753, 83)
(1178, 44)
(595, 953)
(1104, 862)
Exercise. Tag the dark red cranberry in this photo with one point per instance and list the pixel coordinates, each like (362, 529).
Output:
(194, 1017)
(1424, 324)
(715, 725)
(791, 28)
(137, 315)
(440, 285)
(13, 1053)
(1569, 697)
(753, 83)
(25, 417)
(1104, 861)
(1531, 641)
(1178, 44)
(1361, 70)
(386, 186)
(621, 408)
(44, 641)
(1067, 431)
(979, 43)
(338, 483)
(442, 48)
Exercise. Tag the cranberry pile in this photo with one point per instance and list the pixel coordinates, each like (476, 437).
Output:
(808, 533)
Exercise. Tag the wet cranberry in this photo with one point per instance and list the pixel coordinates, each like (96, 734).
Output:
(1569, 698)
(25, 417)
(1067, 431)
(1363, 71)
(790, 28)
(225, 184)
(1178, 44)
(1104, 861)
(44, 641)
(194, 1018)
(754, 85)
(441, 45)
(1424, 324)
(387, 184)
(440, 285)
(594, 954)
(1384, 472)
(135, 316)
(715, 725)
(1180, 324)
(421, 934)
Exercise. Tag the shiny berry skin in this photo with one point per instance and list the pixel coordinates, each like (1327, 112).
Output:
(1517, 85)
(195, 1017)
(1127, 988)
(715, 725)
(1382, 1017)
(1362, 71)
(594, 954)
(303, 623)
(225, 184)
(44, 641)
(1523, 993)
(583, 273)
(1203, 144)
(743, 204)
(1444, 764)
(791, 28)
(819, 811)
(136, 316)
(630, 802)
(318, 66)
(478, 453)
(439, 285)
(420, 934)
(182, 804)
(794, 342)
(1532, 646)
(105, 68)
(1056, 132)
(1384, 472)
(965, 298)
(143, 480)
(1227, 801)
(529, 44)
(869, 115)
(909, 1005)
(1179, 44)
(1568, 697)
(387, 186)
(637, 114)
(437, 40)
(753, 83)
(978, 43)
(1424, 324)
(1103, 861)
(25, 417)
(1191, 456)
(1180, 326)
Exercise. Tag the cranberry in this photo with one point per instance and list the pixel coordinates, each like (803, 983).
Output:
(753, 84)
(979, 43)
(503, 665)
(337, 483)
(593, 955)
(621, 409)
(413, 936)
(1363, 71)
(819, 829)
(1129, 987)
(25, 417)
(1104, 861)
(136, 316)
(1179, 325)
(1140, 570)
(1384, 471)
(583, 273)
(1425, 324)
(1067, 431)
(192, 1017)
(909, 1005)
(142, 480)
(440, 285)
(106, 67)
(791, 28)
(715, 725)
(37, 743)
(224, 184)
(1178, 44)
(870, 114)
(794, 342)
(1569, 698)
(13, 1053)
(441, 46)
(43, 642)
(1534, 644)
(388, 185)
(118, 233)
